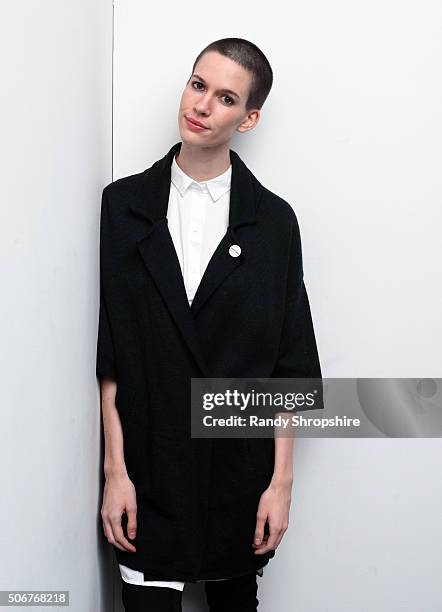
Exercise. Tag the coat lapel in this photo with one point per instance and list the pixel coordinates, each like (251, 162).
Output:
(150, 202)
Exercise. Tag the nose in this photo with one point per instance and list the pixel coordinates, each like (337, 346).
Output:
(201, 106)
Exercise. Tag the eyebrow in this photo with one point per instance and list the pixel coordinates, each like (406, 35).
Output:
(229, 91)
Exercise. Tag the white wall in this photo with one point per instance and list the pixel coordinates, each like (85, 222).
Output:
(55, 158)
(350, 135)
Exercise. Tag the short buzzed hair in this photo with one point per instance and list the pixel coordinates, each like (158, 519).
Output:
(250, 57)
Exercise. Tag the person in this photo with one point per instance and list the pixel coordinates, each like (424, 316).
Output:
(200, 276)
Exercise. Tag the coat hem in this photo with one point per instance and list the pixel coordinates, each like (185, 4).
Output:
(163, 572)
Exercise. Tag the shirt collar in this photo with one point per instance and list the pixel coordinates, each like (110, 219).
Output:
(216, 186)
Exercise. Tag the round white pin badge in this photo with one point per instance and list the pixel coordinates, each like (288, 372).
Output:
(235, 250)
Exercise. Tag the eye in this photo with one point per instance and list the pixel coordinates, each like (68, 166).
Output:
(231, 100)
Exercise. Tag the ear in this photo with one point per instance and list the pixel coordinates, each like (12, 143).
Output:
(250, 121)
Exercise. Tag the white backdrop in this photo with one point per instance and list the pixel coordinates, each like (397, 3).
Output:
(55, 158)
(350, 135)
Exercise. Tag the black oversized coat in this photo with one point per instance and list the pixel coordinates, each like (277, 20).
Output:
(196, 498)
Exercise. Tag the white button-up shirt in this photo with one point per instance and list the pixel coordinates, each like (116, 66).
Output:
(198, 217)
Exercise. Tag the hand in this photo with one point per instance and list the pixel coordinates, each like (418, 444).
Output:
(274, 507)
(119, 497)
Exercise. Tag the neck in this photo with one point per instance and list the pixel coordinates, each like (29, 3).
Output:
(203, 163)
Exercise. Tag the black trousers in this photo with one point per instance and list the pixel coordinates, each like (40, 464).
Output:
(237, 594)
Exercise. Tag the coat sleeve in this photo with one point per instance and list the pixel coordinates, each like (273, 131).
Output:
(105, 358)
(298, 354)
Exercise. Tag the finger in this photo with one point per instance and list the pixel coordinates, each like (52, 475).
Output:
(263, 542)
(107, 529)
(279, 538)
(109, 534)
(270, 545)
(259, 529)
(119, 537)
(131, 522)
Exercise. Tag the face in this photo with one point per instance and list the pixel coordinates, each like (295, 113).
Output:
(215, 96)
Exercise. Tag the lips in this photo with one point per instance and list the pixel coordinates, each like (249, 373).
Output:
(195, 122)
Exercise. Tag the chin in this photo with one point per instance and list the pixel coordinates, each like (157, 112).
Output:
(191, 138)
